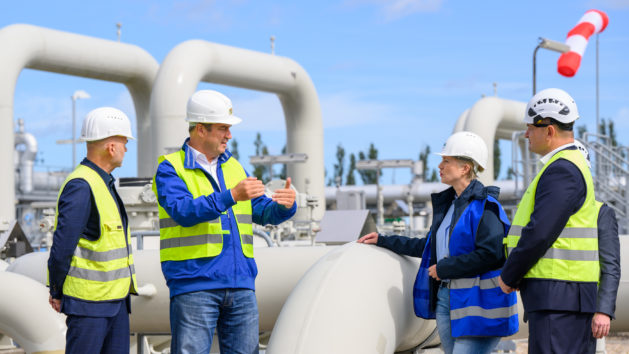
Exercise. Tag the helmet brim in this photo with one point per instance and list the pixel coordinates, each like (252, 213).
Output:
(231, 120)
(482, 168)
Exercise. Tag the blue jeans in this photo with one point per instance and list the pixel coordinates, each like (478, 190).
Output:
(233, 313)
(461, 345)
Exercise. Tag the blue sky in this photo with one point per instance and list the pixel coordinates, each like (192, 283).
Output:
(397, 73)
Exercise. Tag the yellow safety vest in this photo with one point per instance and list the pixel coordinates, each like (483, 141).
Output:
(178, 243)
(574, 255)
(101, 270)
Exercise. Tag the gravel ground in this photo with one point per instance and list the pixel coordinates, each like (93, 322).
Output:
(615, 343)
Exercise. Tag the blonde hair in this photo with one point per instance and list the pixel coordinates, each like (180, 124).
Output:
(474, 167)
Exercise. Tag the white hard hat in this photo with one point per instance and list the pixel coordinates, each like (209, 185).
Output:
(467, 145)
(104, 122)
(551, 103)
(584, 151)
(209, 106)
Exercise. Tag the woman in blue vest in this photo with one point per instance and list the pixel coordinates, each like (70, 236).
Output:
(461, 257)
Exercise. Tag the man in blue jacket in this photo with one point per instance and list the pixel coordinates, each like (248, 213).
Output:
(207, 204)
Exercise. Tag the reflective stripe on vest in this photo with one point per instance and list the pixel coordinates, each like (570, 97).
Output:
(574, 255)
(205, 239)
(478, 307)
(101, 270)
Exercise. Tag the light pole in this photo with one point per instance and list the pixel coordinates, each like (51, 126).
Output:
(78, 94)
(550, 45)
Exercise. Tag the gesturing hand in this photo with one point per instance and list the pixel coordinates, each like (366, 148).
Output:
(285, 196)
(247, 189)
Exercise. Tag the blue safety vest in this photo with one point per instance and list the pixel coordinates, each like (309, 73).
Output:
(478, 307)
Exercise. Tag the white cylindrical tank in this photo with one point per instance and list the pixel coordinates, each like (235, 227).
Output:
(356, 299)
(26, 315)
(280, 268)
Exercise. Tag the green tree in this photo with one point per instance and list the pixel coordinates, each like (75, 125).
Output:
(510, 173)
(351, 180)
(368, 176)
(497, 161)
(434, 177)
(234, 149)
(607, 128)
(260, 171)
(581, 129)
(283, 173)
(423, 157)
(339, 165)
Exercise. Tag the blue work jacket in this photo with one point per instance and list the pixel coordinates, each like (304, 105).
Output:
(478, 227)
(230, 269)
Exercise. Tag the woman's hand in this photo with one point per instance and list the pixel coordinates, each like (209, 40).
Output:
(432, 271)
(371, 238)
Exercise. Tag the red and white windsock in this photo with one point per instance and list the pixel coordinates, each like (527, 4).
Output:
(594, 21)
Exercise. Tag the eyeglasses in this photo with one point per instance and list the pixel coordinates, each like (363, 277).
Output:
(537, 122)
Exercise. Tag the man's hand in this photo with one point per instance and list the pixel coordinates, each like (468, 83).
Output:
(285, 196)
(55, 303)
(600, 325)
(247, 189)
(505, 288)
(432, 271)
(370, 238)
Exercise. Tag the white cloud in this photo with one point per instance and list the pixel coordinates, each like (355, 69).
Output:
(344, 110)
(205, 13)
(612, 4)
(396, 9)
(264, 112)
(46, 116)
(401, 8)
(260, 113)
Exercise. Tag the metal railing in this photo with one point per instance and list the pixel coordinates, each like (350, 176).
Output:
(610, 171)
(610, 168)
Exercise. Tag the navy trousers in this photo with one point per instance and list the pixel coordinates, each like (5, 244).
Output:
(105, 335)
(559, 332)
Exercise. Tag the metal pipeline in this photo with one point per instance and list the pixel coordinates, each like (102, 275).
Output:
(27, 157)
(420, 191)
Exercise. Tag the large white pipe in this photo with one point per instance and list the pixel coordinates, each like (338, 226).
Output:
(280, 268)
(49, 181)
(26, 46)
(353, 288)
(421, 191)
(356, 299)
(194, 61)
(491, 118)
(26, 316)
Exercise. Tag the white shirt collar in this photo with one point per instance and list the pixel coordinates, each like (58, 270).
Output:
(209, 167)
(547, 157)
(200, 157)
